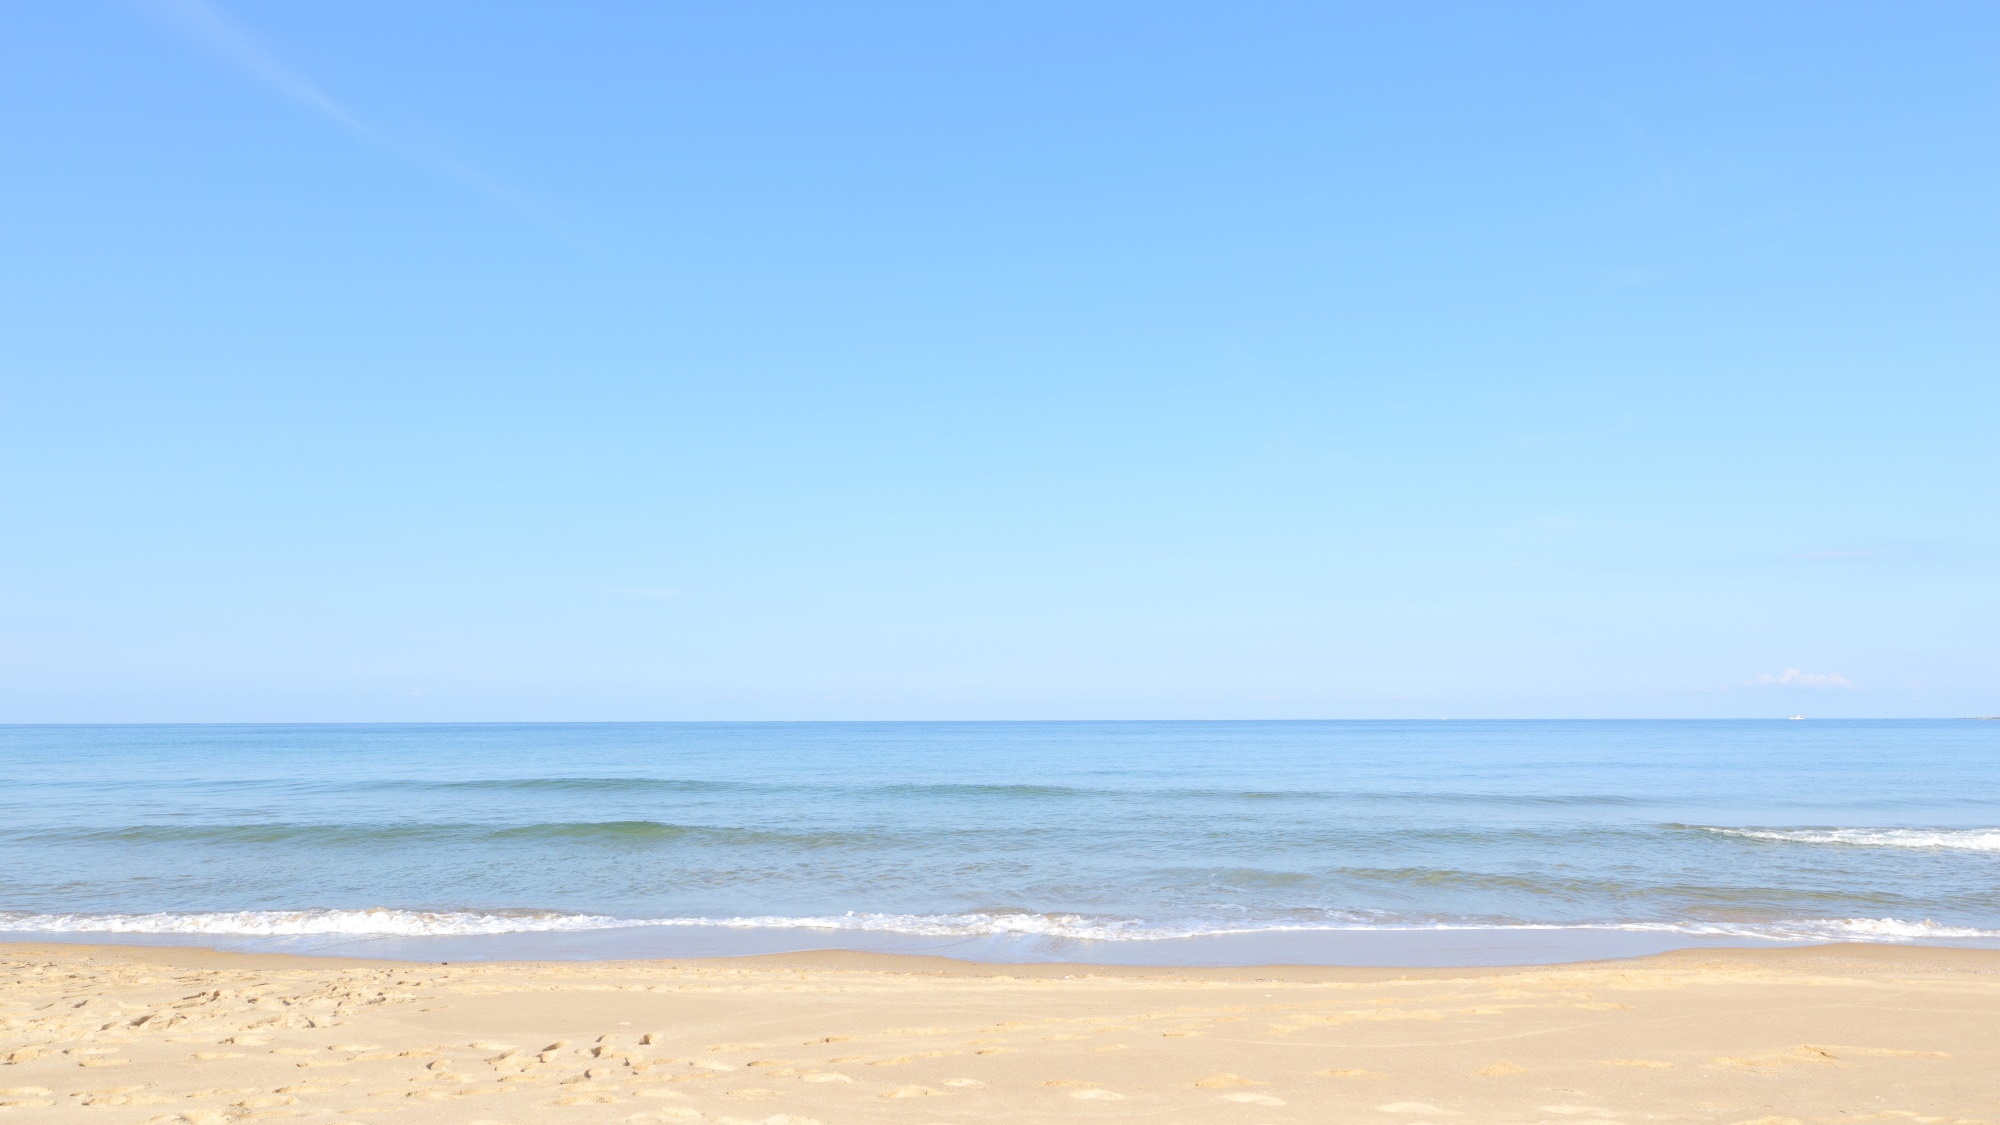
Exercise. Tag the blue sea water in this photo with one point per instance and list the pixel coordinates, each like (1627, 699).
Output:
(1092, 841)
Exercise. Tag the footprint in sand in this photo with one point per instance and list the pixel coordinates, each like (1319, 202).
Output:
(965, 1083)
(1098, 1095)
(1500, 1070)
(1253, 1099)
(1217, 1081)
(913, 1092)
(824, 1076)
(1413, 1107)
(1771, 1060)
(1650, 1064)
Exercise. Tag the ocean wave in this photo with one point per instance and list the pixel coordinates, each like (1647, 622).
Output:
(1950, 839)
(647, 831)
(617, 832)
(270, 833)
(1010, 791)
(592, 784)
(389, 922)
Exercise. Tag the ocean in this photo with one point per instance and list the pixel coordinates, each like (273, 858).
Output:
(1095, 842)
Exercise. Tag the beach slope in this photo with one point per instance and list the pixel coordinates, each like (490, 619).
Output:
(119, 1034)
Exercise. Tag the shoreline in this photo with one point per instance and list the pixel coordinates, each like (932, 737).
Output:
(1872, 956)
(1439, 947)
(177, 1035)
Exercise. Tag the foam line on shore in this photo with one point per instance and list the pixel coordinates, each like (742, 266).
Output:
(422, 923)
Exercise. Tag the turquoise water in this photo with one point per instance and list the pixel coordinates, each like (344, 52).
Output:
(1097, 841)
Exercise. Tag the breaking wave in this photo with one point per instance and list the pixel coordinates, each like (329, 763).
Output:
(1949, 839)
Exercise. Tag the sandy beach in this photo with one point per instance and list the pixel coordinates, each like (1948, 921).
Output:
(1844, 1033)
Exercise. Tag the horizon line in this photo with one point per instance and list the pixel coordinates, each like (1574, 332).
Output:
(939, 722)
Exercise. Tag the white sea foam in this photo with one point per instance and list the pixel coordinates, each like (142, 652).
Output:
(1816, 929)
(384, 922)
(1951, 839)
(377, 922)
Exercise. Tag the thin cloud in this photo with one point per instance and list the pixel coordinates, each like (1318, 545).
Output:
(1792, 677)
(210, 28)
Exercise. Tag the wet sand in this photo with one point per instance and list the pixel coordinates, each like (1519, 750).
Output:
(1839, 1033)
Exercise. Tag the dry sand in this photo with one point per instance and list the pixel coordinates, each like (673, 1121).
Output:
(110, 1034)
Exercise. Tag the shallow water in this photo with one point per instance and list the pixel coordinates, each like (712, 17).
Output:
(1095, 841)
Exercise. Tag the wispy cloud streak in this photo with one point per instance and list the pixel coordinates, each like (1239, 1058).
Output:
(207, 27)
(211, 29)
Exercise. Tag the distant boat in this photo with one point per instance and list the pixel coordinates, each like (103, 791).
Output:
(1794, 716)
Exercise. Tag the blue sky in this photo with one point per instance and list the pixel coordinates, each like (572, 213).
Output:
(998, 360)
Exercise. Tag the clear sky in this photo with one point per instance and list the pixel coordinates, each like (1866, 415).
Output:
(650, 360)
